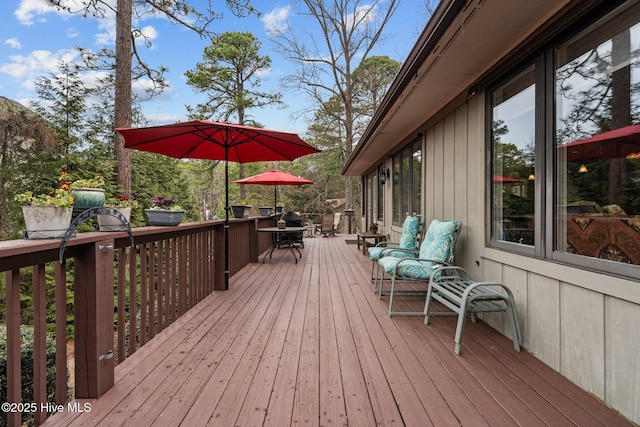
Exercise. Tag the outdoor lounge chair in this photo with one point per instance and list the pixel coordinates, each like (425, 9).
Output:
(437, 249)
(326, 227)
(409, 241)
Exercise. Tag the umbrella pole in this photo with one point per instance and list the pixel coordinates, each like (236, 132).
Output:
(275, 197)
(226, 217)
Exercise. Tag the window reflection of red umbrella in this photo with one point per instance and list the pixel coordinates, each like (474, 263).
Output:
(275, 178)
(506, 179)
(218, 141)
(618, 143)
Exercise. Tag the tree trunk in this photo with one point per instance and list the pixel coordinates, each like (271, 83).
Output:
(123, 99)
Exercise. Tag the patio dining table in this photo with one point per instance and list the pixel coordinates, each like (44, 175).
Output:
(276, 241)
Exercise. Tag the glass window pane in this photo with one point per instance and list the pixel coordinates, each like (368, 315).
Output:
(406, 182)
(513, 159)
(397, 189)
(597, 166)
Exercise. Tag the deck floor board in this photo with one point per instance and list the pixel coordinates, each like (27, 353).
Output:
(309, 343)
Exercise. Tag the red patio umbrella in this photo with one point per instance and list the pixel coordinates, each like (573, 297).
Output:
(201, 139)
(274, 177)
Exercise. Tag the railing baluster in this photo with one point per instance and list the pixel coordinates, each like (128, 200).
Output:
(133, 298)
(39, 342)
(122, 286)
(14, 381)
(61, 331)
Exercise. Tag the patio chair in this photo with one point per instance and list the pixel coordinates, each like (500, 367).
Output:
(326, 227)
(336, 222)
(409, 241)
(437, 249)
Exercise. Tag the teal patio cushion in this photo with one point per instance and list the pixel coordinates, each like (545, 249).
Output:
(408, 240)
(439, 240)
(437, 245)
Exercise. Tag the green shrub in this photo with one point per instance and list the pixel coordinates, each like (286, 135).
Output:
(26, 365)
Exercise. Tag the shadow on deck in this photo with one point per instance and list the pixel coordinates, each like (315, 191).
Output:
(309, 343)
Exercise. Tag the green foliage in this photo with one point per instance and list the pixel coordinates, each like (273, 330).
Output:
(229, 76)
(26, 365)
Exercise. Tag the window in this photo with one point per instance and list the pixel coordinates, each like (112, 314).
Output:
(564, 134)
(407, 181)
(597, 166)
(513, 159)
(381, 183)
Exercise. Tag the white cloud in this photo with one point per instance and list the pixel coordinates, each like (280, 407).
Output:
(108, 35)
(364, 14)
(34, 64)
(276, 21)
(72, 32)
(27, 69)
(13, 43)
(28, 9)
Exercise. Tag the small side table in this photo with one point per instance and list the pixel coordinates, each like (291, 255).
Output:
(377, 238)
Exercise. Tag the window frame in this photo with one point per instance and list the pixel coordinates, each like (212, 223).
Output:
(406, 153)
(545, 186)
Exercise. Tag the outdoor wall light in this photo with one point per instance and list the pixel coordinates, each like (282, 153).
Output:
(383, 174)
(582, 169)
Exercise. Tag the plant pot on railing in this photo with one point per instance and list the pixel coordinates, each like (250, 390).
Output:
(84, 197)
(265, 211)
(241, 211)
(46, 222)
(164, 216)
(112, 223)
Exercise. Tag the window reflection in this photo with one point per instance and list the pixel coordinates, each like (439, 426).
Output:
(598, 141)
(512, 144)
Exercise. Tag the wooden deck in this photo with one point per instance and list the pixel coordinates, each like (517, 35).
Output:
(310, 344)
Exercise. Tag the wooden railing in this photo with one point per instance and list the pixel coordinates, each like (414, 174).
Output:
(167, 272)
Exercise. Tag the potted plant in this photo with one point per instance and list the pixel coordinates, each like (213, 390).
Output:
(373, 228)
(164, 211)
(123, 205)
(241, 209)
(279, 208)
(88, 192)
(265, 210)
(47, 215)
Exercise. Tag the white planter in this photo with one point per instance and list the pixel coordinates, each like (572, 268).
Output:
(46, 222)
(111, 223)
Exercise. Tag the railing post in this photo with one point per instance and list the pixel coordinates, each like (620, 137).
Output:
(253, 241)
(93, 294)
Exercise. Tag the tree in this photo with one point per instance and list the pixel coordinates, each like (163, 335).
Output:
(27, 147)
(349, 30)
(230, 78)
(178, 12)
(372, 79)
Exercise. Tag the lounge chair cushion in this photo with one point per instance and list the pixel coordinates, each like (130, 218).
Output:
(439, 240)
(437, 246)
(408, 240)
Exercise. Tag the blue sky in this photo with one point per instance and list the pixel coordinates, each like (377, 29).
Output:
(35, 37)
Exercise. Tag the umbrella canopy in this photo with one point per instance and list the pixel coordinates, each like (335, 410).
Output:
(619, 143)
(274, 177)
(506, 179)
(201, 139)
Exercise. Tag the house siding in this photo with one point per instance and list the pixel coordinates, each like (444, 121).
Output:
(583, 324)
